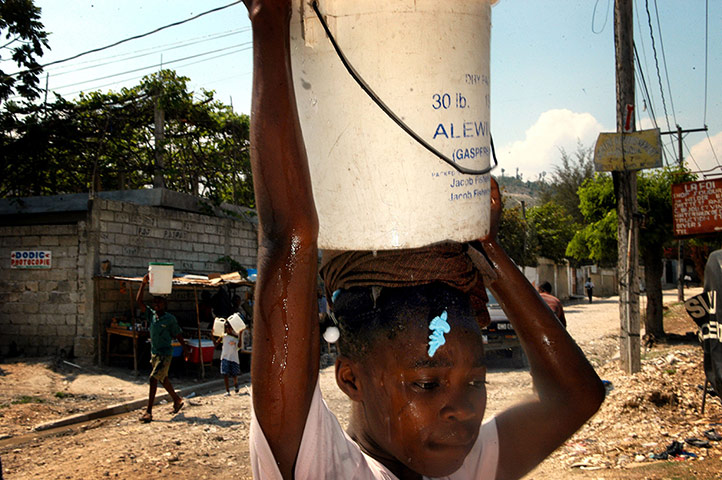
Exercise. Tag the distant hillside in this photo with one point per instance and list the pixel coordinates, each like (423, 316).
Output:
(514, 191)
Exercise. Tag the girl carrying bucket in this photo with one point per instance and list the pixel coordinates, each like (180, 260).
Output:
(411, 357)
(230, 362)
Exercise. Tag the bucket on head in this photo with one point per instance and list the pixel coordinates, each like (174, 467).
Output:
(237, 323)
(219, 326)
(160, 281)
(374, 186)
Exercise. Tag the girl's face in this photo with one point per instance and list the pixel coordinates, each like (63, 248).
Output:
(425, 412)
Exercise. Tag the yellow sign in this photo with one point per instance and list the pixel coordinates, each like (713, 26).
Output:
(628, 151)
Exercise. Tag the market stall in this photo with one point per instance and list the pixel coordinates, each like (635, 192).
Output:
(136, 329)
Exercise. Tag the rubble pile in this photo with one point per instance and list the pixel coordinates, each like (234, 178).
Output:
(645, 413)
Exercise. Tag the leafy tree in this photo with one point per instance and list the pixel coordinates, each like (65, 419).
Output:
(553, 228)
(23, 38)
(566, 179)
(107, 141)
(655, 206)
(598, 240)
(517, 238)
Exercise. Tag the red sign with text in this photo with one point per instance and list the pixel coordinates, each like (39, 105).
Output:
(697, 207)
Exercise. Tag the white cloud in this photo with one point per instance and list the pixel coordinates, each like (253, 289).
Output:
(704, 155)
(539, 150)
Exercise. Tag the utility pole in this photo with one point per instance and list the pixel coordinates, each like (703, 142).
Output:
(45, 100)
(159, 134)
(625, 189)
(680, 159)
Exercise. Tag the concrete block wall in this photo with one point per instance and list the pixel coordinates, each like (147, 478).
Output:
(44, 311)
(41, 310)
(131, 236)
(556, 274)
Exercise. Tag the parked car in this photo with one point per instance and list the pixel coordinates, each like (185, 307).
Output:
(500, 337)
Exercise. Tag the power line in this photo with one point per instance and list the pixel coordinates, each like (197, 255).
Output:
(664, 60)
(706, 72)
(712, 148)
(154, 66)
(648, 99)
(147, 52)
(135, 37)
(159, 65)
(644, 68)
(156, 48)
(656, 62)
(689, 154)
(594, 15)
(644, 87)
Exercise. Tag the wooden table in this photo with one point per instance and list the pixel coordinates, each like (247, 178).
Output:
(124, 332)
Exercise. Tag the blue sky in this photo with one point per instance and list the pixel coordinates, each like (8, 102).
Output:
(552, 66)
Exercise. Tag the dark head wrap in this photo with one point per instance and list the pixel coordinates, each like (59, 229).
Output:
(454, 264)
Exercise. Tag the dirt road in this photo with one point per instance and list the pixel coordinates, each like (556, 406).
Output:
(209, 437)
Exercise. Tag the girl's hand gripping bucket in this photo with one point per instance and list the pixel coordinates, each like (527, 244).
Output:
(160, 281)
(374, 186)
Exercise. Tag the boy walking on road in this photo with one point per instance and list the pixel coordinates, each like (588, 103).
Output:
(163, 328)
(545, 292)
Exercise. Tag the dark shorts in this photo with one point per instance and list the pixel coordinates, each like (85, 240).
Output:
(230, 368)
(161, 365)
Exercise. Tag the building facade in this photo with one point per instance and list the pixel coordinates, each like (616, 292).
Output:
(54, 250)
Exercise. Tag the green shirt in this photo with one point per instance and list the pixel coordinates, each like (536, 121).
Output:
(163, 330)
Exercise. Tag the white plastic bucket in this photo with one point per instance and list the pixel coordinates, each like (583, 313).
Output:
(237, 323)
(428, 60)
(160, 281)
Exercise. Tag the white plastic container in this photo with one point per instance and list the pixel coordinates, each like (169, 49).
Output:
(219, 326)
(160, 281)
(374, 186)
(237, 323)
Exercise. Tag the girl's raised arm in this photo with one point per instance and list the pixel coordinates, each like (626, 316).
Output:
(568, 389)
(286, 339)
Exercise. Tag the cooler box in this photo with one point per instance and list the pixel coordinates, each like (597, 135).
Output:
(206, 346)
(177, 349)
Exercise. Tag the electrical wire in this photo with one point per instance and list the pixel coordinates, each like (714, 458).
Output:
(664, 61)
(706, 78)
(667, 155)
(689, 154)
(128, 39)
(706, 56)
(149, 51)
(162, 64)
(177, 69)
(155, 48)
(643, 66)
(712, 147)
(645, 90)
(656, 62)
(594, 15)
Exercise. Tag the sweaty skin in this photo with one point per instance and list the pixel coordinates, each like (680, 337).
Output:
(416, 413)
(413, 413)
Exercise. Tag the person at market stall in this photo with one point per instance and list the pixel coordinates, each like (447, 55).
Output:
(230, 363)
(417, 399)
(163, 328)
